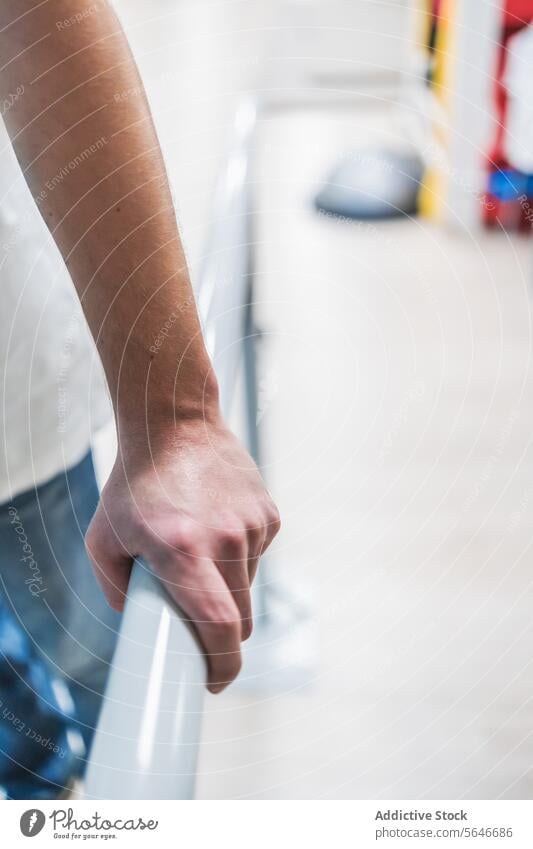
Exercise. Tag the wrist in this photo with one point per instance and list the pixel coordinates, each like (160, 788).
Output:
(164, 425)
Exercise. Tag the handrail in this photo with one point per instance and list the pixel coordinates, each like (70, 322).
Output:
(147, 739)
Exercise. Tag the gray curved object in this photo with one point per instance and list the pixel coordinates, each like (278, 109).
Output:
(373, 184)
(146, 743)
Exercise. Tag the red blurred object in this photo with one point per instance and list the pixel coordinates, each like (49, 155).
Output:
(517, 13)
(510, 213)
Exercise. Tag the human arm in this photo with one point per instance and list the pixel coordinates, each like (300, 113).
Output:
(183, 492)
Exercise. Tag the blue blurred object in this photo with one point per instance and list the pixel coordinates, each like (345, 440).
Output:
(57, 639)
(509, 184)
(39, 744)
(373, 184)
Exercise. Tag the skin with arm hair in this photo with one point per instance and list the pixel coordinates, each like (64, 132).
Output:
(183, 492)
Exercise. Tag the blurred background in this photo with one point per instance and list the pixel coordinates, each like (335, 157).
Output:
(389, 209)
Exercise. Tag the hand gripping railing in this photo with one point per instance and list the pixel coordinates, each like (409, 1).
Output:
(146, 743)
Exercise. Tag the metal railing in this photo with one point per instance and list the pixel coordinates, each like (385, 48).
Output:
(146, 743)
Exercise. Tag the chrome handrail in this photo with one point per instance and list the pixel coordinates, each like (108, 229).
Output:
(147, 739)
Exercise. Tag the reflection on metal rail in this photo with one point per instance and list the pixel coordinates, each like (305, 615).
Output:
(146, 743)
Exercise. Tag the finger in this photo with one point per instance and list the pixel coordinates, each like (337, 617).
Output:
(260, 538)
(232, 565)
(205, 599)
(273, 527)
(255, 549)
(111, 565)
(253, 566)
(235, 574)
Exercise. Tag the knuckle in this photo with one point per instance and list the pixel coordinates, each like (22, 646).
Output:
(230, 628)
(183, 537)
(231, 538)
(227, 627)
(182, 542)
(254, 524)
(222, 611)
(274, 519)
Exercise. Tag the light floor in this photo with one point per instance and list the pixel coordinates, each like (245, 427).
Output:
(398, 426)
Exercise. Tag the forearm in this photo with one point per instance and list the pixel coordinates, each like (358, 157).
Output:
(93, 163)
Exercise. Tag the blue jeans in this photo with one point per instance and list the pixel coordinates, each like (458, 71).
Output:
(57, 636)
